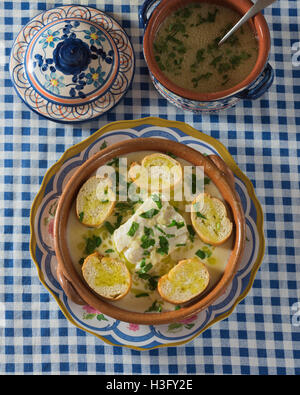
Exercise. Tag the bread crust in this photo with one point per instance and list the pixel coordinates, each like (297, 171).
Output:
(205, 239)
(166, 278)
(100, 257)
(83, 221)
(148, 158)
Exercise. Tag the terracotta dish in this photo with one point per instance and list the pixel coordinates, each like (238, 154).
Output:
(74, 285)
(253, 86)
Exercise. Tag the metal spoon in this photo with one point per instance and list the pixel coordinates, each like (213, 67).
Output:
(257, 7)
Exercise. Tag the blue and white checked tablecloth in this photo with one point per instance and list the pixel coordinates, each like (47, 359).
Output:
(262, 336)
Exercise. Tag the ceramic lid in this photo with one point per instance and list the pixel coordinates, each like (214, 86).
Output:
(72, 63)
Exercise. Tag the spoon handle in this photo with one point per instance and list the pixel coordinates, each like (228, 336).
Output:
(257, 7)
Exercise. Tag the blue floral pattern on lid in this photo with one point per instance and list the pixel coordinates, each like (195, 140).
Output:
(67, 49)
(76, 63)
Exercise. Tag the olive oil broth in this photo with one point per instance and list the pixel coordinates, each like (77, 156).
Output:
(143, 295)
(187, 52)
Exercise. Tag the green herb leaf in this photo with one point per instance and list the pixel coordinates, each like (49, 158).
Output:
(101, 317)
(150, 213)
(171, 155)
(81, 215)
(114, 162)
(109, 227)
(92, 243)
(154, 307)
(141, 295)
(156, 198)
(148, 231)
(201, 254)
(196, 80)
(191, 232)
(152, 282)
(103, 145)
(175, 223)
(199, 215)
(134, 227)
(119, 220)
(163, 246)
(109, 251)
(144, 267)
(147, 242)
(126, 206)
(81, 260)
(168, 235)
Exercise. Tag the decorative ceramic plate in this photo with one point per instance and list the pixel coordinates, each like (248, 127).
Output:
(111, 330)
(72, 63)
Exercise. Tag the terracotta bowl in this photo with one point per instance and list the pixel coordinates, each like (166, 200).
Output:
(75, 286)
(251, 88)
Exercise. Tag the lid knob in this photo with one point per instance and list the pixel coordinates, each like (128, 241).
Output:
(72, 56)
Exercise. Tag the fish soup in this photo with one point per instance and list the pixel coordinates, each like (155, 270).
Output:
(186, 48)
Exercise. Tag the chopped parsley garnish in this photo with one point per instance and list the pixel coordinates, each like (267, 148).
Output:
(92, 243)
(109, 227)
(199, 58)
(118, 221)
(168, 235)
(196, 80)
(154, 307)
(103, 145)
(81, 260)
(150, 213)
(191, 232)
(81, 215)
(134, 227)
(114, 162)
(156, 198)
(163, 246)
(171, 155)
(141, 295)
(145, 267)
(109, 251)
(201, 254)
(126, 206)
(175, 223)
(199, 215)
(144, 275)
(204, 253)
(148, 231)
(147, 242)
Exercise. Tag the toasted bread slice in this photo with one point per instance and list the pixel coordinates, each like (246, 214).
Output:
(210, 219)
(95, 202)
(108, 277)
(157, 172)
(185, 281)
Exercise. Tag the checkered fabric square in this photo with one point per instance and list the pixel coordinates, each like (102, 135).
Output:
(262, 335)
